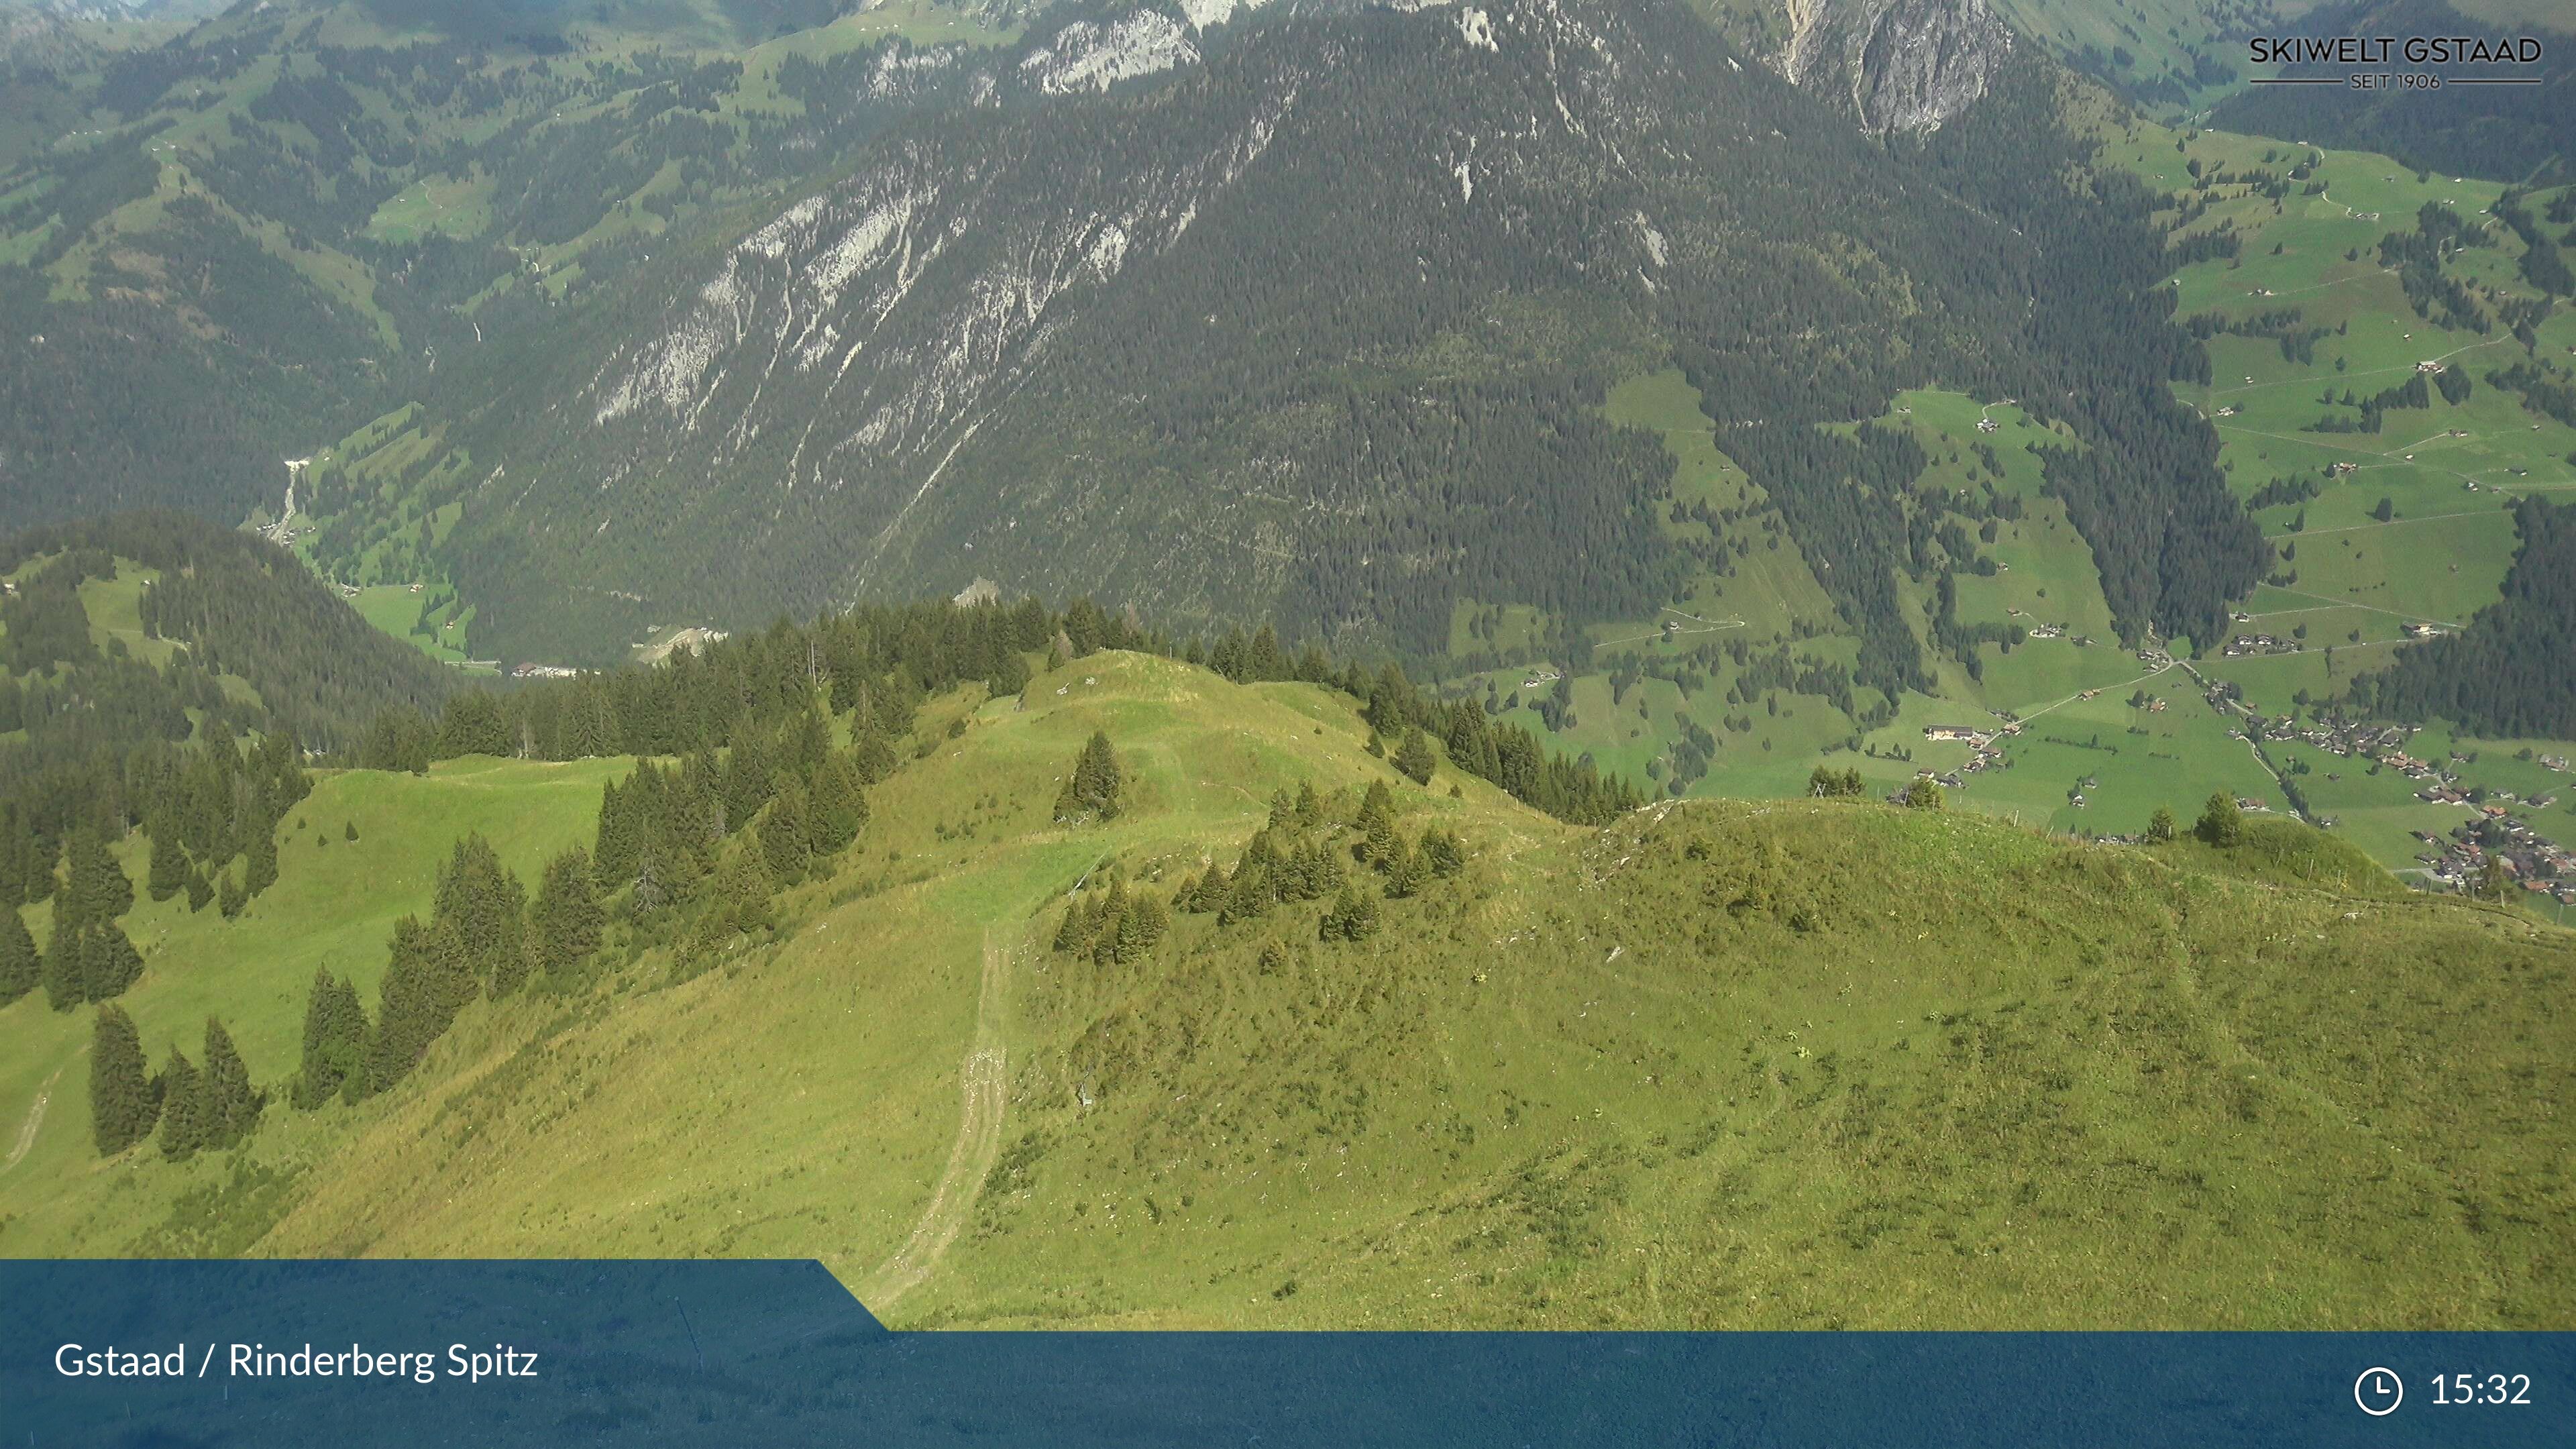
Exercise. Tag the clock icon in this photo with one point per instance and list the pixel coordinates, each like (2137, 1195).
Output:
(2378, 1391)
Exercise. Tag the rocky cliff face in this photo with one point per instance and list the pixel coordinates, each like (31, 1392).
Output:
(1901, 65)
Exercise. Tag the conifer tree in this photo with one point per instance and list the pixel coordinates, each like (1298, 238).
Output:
(1133, 932)
(350, 833)
(1293, 875)
(1091, 792)
(1391, 701)
(1249, 896)
(335, 1042)
(183, 1108)
(1404, 870)
(232, 1103)
(1378, 840)
(2221, 822)
(230, 898)
(485, 906)
(564, 924)
(200, 889)
(97, 885)
(1328, 875)
(749, 774)
(122, 1106)
(784, 839)
(1443, 854)
(1152, 919)
(66, 982)
(428, 978)
(260, 868)
(874, 757)
(168, 873)
(20, 968)
(1211, 891)
(594, 724)
(1310, 806)
(1354, 916)
(840, 804)
(619, 840)
(2162, 826)
(1363, 921)
(472, 724)
(739, 902)
(109, 962)
(1415, 759)
(1068, 933)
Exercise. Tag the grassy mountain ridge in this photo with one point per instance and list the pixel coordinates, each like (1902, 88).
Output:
(1717, 1064)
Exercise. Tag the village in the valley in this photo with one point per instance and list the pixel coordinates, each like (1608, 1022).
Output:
(2495, 826)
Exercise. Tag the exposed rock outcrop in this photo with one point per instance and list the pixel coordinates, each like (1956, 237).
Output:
(1902, 65)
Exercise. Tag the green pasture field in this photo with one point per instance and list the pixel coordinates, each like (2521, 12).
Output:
(395, 609)
(2448, 472)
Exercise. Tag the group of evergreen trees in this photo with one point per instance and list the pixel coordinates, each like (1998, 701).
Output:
(204, 808)
(88, 957)
(198, 1108)
(700, 845)
(484, 940)
(666, 827)
(205, 769)
(1303, 853)
(1114, 926)
(1289, 861)
(1827, 783)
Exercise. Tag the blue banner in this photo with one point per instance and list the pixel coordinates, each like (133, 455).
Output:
(753, 1353)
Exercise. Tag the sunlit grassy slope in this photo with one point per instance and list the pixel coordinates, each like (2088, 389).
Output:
(1786, 1064)
(332, 908)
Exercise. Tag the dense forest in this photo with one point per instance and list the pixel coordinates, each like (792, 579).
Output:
(2506, 676)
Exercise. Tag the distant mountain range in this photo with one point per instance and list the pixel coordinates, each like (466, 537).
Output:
(1305, 312)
